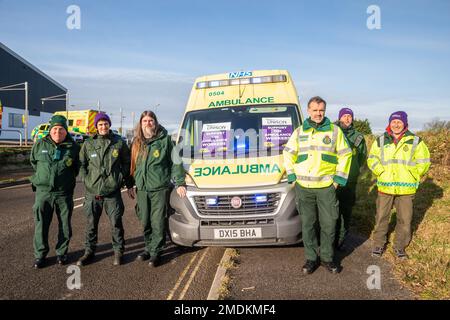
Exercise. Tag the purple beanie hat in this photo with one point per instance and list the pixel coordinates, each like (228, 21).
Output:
(345, 111)
(399, 115)
(101, 116)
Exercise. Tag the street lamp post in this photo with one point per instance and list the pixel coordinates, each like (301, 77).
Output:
(59, 97)
(12, 87)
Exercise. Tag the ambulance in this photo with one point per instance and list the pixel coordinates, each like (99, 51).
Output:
(231, 142)
(79, 122)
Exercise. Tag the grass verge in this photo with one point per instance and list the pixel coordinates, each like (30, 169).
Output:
(427, 272)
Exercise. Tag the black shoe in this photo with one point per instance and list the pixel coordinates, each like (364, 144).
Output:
(39, 263)
(143, 256)
(401, 254)
(310, 266)
(331, 267)
(61, 260)
(154, 261)
(85, 259)
(117, 258)
(377, 252)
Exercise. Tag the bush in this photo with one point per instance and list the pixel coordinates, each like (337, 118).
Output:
(362, 126)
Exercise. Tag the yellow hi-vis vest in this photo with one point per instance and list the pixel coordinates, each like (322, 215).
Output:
(398, 167)
(315, 157)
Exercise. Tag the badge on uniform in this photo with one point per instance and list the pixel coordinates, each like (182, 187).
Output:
(156, 153)
(69, 162)
(115, 153)
(57, 155)
(405, 148)
(327, 140)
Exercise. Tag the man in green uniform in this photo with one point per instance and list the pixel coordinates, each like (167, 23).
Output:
(153, 168)
(56, 164)
(317, 158)
(347, 194)
(105, 168)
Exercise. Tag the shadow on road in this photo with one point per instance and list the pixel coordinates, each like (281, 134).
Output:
(133, 247)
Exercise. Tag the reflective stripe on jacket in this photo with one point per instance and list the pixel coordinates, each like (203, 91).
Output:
(399, 167)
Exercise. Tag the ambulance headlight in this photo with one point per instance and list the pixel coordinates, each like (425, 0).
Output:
(189, 181)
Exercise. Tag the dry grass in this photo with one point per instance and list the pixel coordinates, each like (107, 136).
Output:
(427, 272)
(226, 280)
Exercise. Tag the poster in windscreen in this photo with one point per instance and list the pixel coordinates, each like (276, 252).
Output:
(276, 131)
(215, 137)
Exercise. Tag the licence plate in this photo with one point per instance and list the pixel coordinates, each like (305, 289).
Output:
(237, 233)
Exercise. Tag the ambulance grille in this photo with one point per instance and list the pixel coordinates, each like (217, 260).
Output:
(249, 205)
(233, 223)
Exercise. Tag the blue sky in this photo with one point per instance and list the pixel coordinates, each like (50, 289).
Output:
(137, 54)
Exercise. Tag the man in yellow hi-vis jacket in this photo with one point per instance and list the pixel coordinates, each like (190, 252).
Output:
(317, 157)
(399, 159)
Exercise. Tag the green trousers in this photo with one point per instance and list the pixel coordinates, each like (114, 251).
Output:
(45, 204)
(404, 207)
(114, 208)
(347, 199)
(318, 210)
(151, 209)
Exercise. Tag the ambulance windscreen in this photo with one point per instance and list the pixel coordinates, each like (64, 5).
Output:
(237, 131)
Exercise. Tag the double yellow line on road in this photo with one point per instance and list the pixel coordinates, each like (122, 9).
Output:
(183, 275)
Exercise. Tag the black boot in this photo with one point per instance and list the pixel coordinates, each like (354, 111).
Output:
(61, 260)
(39, 263)
(143, 256)
(310, 266)
(154, 261)
(332, 267)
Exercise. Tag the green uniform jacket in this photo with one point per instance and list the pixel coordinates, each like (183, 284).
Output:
(356, 141)
(155, 167)
(105, 164)
(56, 166)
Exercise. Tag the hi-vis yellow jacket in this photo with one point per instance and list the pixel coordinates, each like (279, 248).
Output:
(398, 167)
(315, 157)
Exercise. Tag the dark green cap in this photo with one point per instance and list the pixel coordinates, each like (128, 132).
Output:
(58, 120)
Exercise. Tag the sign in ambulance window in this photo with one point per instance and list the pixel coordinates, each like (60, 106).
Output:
(276, 131)
(215, 137)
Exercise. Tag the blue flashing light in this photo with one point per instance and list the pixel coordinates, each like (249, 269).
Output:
(259, 198)
(212, 201)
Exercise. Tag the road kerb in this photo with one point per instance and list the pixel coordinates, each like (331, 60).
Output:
(14, 182)
(220, 274)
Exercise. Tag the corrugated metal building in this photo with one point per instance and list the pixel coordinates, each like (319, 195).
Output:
(13, 70)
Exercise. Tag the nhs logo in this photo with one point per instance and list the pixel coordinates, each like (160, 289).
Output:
(240, 74)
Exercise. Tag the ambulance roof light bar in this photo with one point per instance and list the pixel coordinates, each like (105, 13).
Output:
(235, 82)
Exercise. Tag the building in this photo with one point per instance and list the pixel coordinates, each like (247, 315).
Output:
(13, 70)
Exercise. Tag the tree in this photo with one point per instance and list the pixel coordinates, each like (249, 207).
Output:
(436, 125)
(362, 126)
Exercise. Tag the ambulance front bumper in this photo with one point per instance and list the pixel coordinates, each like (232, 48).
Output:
(274, 222)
